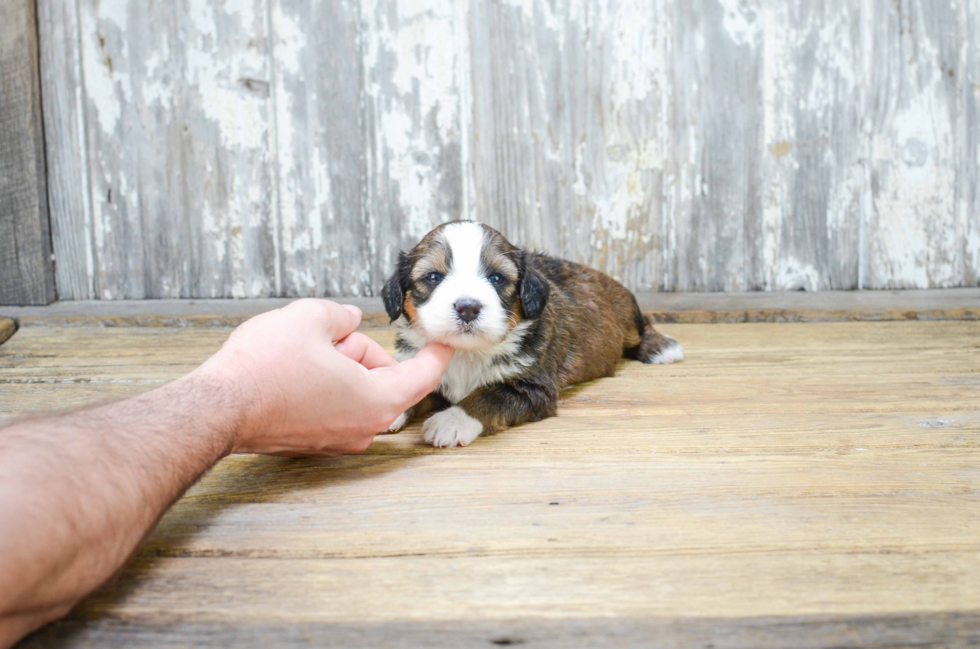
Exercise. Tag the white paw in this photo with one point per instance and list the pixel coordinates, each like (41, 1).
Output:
(451, 427)
(669, 353)
(397, 425)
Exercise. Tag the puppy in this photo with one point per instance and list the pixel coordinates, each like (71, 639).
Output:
(524, 326)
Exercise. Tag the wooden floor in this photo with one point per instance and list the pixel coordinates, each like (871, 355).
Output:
(804, 484)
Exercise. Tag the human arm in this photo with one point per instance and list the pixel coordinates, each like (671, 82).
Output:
(80, 490)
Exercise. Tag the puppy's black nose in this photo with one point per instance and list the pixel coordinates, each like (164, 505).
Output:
(468, 309)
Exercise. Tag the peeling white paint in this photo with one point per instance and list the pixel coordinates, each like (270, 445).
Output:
(290, 41)
(465, 93)
(605, 146)
(615, 213)
(794, 275)
(914, 242)
(157, 88)
(103, 85)
(302, 278)
(321, 204)
(285, 47)
(631, 32)
(423, 86)
(741, 20)
(241, 122)
(201, 15)
(777, 133)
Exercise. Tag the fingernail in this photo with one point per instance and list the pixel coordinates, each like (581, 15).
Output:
(353, 309)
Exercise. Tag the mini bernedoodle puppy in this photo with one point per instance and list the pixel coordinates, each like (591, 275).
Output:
(524, 326)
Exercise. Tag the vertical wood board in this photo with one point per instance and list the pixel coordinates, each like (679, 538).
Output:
(715, 198)
(69, 195)
(968, 163)
(26, 274)
(813, 145)
(321, 140)
(415, 61)
(911, 234)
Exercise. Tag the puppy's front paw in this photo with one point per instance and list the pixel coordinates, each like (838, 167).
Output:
(396, 425)
(451, 427)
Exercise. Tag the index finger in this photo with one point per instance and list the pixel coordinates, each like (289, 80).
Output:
(364, 350)
(339, 320)
(416, 377)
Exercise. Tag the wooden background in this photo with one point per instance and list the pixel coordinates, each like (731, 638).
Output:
(26, 271)
(255, 148)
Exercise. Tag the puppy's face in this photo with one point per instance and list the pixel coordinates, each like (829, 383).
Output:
(464, 285)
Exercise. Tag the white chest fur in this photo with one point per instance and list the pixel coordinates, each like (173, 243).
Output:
(471, 369)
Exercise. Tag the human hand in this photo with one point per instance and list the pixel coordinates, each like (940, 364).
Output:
(309, 384)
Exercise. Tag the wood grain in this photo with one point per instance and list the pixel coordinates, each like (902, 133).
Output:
(813, 158)
(26, 273)
(569, 141)
(912, 235)
(321, 142)
(831, 464)
(292, 147)
(69, 194)
(968, 169)
(955, 631)
(716, 214)
(415, 97)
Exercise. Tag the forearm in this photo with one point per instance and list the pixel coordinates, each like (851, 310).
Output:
(79, 490)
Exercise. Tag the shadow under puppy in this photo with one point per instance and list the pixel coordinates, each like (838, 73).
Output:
(524, 325)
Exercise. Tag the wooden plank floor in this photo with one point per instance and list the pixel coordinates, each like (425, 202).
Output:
(811, 484)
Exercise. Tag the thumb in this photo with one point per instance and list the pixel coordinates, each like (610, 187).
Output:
(416, 377)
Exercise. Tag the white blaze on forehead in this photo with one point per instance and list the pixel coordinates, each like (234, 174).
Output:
(466, 242)
(437, 317)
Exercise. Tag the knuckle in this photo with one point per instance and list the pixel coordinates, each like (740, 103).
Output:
(312, 308)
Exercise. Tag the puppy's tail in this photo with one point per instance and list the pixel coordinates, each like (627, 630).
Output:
(657, 348)
(654, 347)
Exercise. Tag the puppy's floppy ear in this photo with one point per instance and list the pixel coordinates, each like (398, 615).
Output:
(533, 288)
(393, 292)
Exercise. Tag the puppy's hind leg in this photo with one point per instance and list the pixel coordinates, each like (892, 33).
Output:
(657, 348)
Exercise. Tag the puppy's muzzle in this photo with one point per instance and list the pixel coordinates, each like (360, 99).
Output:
(467, 309)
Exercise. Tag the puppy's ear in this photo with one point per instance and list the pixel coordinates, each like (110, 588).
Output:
(393, 292)
(534, 289)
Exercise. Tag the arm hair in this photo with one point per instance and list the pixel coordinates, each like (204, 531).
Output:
(79, 490)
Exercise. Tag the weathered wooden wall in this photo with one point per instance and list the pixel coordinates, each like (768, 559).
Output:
(290, 147)
(26, 272)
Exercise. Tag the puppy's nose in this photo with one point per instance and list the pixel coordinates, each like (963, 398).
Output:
(468, 309)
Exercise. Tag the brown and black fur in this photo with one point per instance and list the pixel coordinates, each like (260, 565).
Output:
(582, 323)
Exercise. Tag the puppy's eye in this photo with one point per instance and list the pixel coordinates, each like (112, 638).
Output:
(433, 278)
(496, 278)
